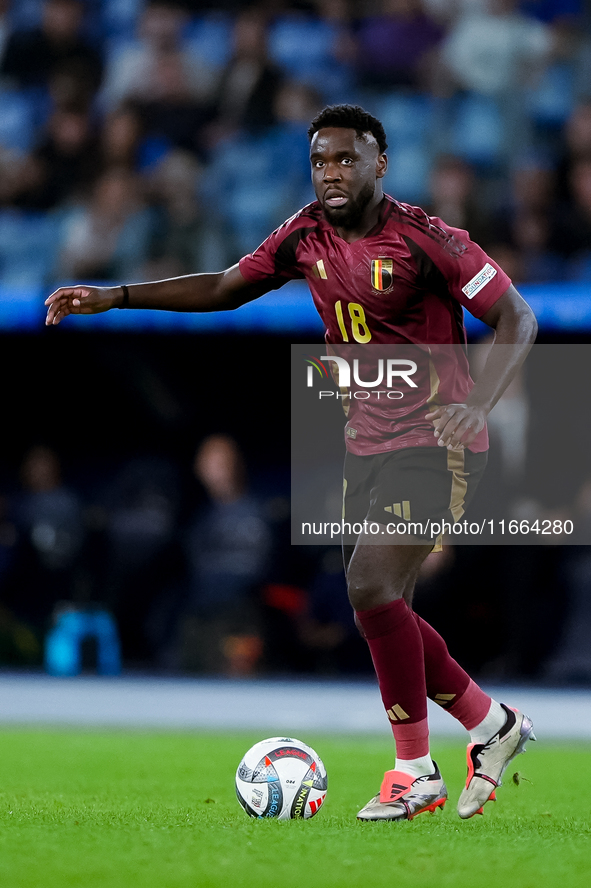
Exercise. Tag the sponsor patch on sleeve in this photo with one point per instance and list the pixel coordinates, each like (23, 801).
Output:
(479, 281)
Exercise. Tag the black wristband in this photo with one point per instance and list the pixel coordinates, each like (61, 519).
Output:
(125, 302)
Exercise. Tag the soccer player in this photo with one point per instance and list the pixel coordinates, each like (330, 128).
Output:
(383, 272)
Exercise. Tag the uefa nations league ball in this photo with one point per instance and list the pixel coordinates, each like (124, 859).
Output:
(281, 777)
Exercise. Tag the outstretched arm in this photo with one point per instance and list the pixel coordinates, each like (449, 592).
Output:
(456, 425)
(194, 292)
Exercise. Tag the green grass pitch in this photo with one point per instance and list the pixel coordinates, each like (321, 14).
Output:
(122, 809)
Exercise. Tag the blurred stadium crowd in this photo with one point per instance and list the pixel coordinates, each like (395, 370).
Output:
(147, 138)
(142, 139)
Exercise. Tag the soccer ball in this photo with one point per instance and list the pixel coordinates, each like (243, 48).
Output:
(282, 778)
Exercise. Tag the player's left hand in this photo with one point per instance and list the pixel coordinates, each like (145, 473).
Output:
(456, 425)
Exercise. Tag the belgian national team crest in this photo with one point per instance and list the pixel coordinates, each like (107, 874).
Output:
(382, 276)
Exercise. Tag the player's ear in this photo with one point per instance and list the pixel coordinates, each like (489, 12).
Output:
(381, 166)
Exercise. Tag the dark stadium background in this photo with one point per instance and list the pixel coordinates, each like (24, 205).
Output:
(111, 392)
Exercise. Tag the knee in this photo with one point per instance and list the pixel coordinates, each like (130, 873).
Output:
(366, 592)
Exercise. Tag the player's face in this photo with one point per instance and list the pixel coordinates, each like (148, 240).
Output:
(346, 170)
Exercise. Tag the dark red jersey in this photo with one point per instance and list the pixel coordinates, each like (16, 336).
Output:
(404, 284)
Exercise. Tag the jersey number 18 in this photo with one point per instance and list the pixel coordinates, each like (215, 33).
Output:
(359, 328)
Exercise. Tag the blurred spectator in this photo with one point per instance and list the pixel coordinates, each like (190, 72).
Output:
(577, 132)
(134, 70)
(228, 549)
(19, 646)
(108, 239)
(18, 643)
(171, 109)
(527, 222)
(8, 539)
(529, 610)
(493, 52)
(32, 57)
(576, 145)
(312, 43)
(70, 87)
(395, 47)
(121, 138)
(570, 661)
(331, 643)
(48, 516)
(572, 236)
(582, 84)
(138, 572)
(245, 96)
(531, 233)
(4, 27)
(181, 235)
(489, 63)
(456, 197)
(309, 628)
(533, 184)
(62, 168)
(295, 105)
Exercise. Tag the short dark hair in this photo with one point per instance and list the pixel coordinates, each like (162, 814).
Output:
(350, 117)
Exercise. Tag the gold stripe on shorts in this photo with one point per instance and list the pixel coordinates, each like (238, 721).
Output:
(459, 484)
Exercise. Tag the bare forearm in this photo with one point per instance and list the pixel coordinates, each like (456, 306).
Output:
(514, 337)
(193, 292)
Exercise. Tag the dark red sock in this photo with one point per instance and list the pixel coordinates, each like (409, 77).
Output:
(447, 683)
(396, 648)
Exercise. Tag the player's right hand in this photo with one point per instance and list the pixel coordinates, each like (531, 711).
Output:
(81, 300)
